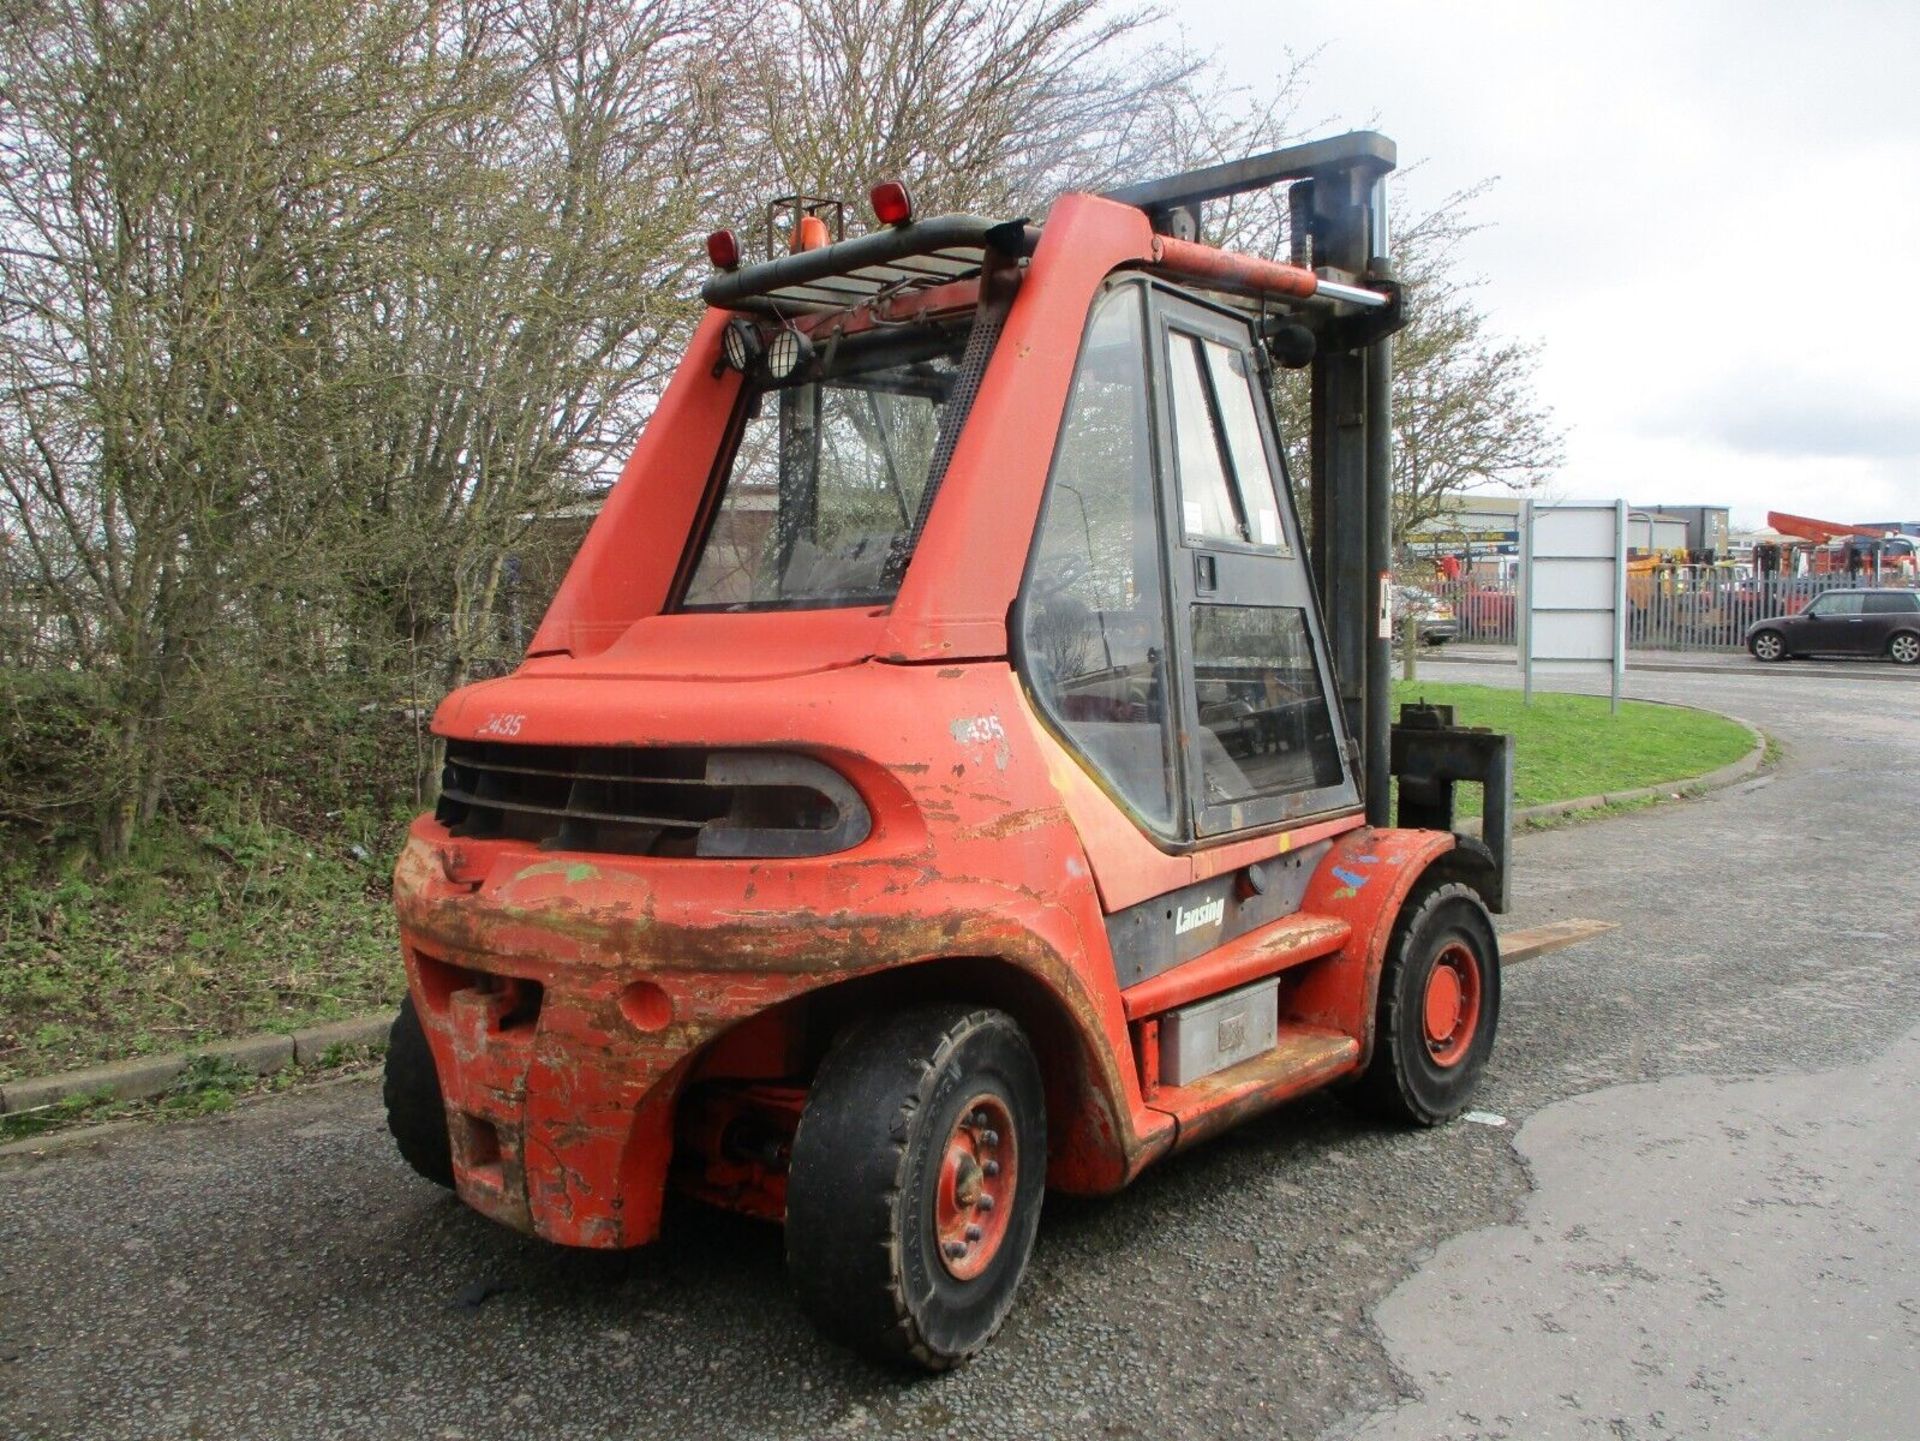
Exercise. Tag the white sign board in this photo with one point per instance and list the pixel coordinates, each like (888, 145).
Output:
(1573, 591)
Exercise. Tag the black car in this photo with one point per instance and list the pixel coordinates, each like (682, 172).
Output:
(1844, 622)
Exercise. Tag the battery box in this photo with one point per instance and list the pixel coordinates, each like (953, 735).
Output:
(1221, 1031)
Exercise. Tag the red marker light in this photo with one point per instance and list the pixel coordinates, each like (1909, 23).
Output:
(892, 205)
(723, 250)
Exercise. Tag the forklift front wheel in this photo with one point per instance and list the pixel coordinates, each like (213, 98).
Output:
(915, 1184)
(1439, 1005)
(416, 1113)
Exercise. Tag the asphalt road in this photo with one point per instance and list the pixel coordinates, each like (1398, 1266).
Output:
(1698, 1217)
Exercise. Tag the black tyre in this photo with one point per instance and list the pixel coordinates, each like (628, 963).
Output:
(1904, 648)
(1767, 645)
(915, 1185)
(416, 1112)
(1439, 1007)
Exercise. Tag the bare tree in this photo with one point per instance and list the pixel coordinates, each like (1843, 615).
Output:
(1465, 410)
(527, 335)
(312, 308)
(177, 184)
(988, 105)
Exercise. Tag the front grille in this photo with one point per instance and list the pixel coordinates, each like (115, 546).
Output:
(650, 800)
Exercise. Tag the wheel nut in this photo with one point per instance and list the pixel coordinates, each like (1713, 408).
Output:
(979, 1118)
(990, 1168)
(989, 1138)
(985, 1203)
(957, 1249)
(973, 1234)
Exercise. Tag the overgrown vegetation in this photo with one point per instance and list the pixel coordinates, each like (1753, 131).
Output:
(255, 899)
(203, 932)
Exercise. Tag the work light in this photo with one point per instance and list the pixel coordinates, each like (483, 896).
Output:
(788, 351)
(740, 344)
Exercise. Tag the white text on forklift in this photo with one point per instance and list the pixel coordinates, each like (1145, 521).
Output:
(1207, 915)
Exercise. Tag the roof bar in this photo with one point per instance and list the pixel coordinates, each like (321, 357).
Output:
(1366, 149)
(730, 290)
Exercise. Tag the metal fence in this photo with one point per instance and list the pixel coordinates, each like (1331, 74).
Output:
(1680, 608)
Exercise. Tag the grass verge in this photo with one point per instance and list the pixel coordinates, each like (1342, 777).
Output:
(1568, 746)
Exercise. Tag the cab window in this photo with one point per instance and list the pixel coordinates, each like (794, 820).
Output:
(1839, 603)
(1092, 627)
(1264, 727)
(1226, 481)
(819, 495)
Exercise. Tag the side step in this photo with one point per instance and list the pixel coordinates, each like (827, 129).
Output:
(1252, 957)
(1303, 1058)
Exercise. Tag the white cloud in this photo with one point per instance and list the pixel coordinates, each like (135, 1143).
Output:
(1701, 209)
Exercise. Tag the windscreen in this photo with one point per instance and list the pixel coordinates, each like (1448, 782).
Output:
(822, 492)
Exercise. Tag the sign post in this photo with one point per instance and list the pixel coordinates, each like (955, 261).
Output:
(1573, 592)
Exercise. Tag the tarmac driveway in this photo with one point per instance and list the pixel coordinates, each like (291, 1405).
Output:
(1716, 1102)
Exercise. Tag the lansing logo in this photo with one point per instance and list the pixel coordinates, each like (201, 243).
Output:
(1208, 915)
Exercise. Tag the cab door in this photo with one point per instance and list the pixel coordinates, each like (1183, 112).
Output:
(1262, 734)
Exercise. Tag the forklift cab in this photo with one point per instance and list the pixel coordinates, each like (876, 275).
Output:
(948, 771)
(1165, 627)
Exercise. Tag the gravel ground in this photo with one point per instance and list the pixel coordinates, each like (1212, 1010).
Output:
(279, 1273)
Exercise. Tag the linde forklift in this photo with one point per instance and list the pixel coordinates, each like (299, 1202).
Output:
(948, 770)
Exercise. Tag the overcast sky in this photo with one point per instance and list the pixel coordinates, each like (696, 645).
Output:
(1707, 211)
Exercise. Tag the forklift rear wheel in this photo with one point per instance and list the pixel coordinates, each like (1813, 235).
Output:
(416, 1112)
(915, 1185)
(1768, 645)
(1439, 1005)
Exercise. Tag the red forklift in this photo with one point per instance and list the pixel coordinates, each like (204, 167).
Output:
(949, 769)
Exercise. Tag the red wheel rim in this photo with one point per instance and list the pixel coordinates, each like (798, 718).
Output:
(973, 1199)
(1451, 1013)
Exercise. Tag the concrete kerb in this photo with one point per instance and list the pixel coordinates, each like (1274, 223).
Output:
(147, 1076)
(1686, 786)
(1713, 780)
(264, 1054)
(85, 1138)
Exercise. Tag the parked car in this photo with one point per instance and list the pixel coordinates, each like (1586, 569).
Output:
(1844, 622)
(1432, 616)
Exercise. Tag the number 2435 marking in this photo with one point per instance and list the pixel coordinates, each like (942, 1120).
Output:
(502, 724)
